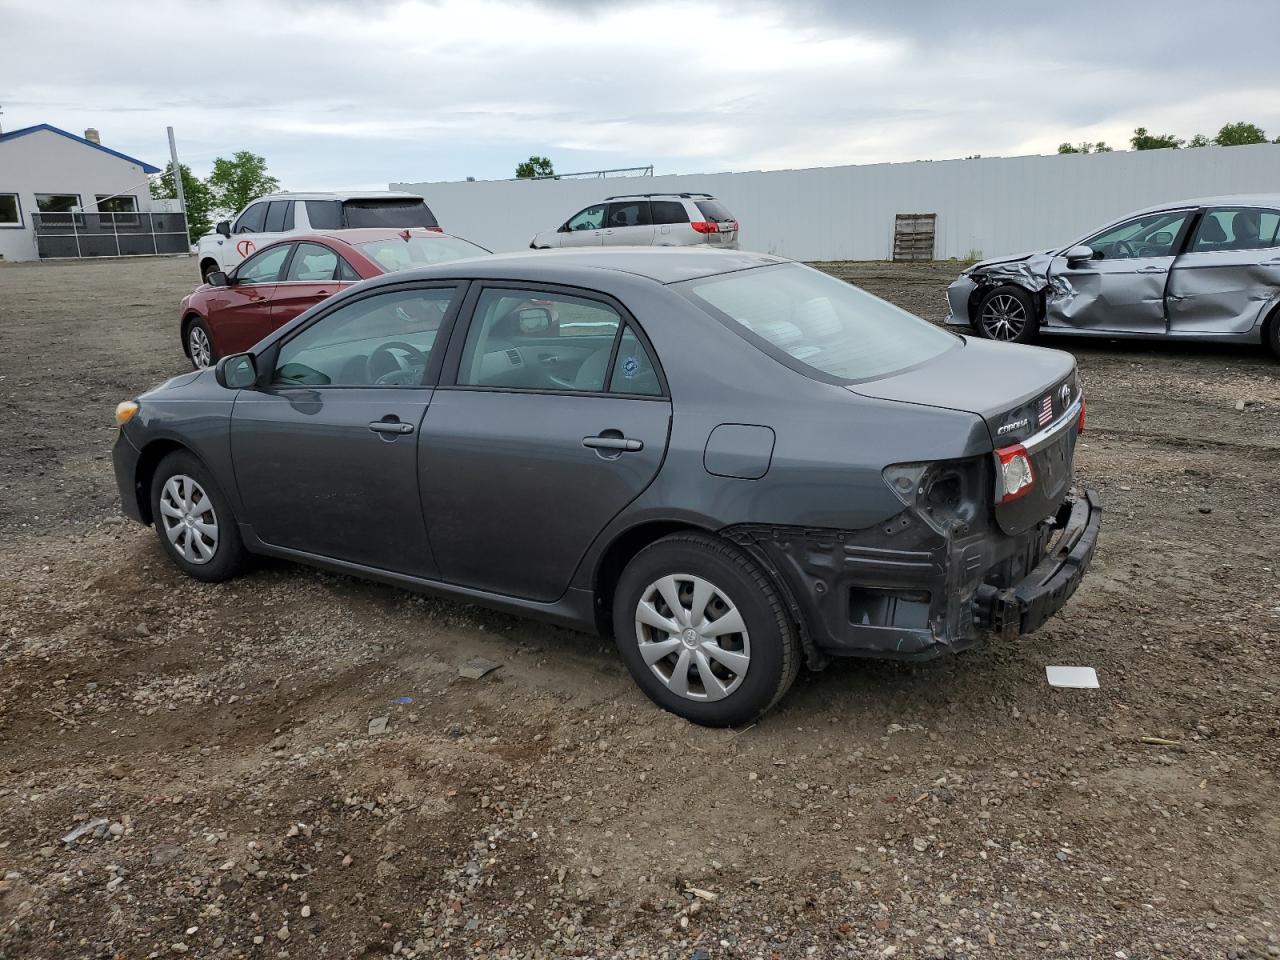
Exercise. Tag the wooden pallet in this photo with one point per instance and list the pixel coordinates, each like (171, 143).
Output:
(913, 236)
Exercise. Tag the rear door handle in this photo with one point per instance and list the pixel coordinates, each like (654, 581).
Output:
(613, 443)
(1151, 270)
(391, 426)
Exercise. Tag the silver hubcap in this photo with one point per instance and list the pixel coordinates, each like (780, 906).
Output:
(692, 637)
(189, 520)
(201, 349)
(1003, 317)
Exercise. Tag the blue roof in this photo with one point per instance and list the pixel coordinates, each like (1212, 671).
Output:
(14, 134)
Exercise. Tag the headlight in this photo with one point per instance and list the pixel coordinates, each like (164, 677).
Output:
(125, 410)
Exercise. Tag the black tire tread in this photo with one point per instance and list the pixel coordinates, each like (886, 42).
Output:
(1030, 332)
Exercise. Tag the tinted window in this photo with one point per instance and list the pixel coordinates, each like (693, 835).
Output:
(1236, 228)
(10, 212)
(324, 214)
(629, 213)
(276, 211)
(346, 272)
(388, 213)
(669, 211)
(312, 262)
(532, 340)
(591, 218)
(1149, 236)
(110, 204)
(263, 267)
(713, 210)
(401, 254)
(251, 220)
(818, 323)
(288, 217)
(633, 370)
(57, 202)
(379, 341)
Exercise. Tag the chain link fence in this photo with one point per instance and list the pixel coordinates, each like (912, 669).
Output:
(129, 234)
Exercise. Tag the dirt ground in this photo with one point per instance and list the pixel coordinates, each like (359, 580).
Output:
(216, 738)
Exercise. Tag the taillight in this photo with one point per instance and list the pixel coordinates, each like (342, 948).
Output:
(1080, 424)
(436, 229)
(702, 226)
(1016, 476)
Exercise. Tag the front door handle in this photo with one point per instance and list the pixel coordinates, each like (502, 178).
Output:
(1151, 270)
(391, 426)
(621, 444)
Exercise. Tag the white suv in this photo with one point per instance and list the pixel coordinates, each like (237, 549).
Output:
(648, 220)
(269, 218)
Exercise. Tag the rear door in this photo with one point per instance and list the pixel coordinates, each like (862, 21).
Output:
(1230, 271)
(315, 273)
(1123, 287)
(584, 229)
(240, 313)
(628, 223)
(557, 420)
(670, 223)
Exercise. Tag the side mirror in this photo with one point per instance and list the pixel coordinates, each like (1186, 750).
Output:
(236, 372)
(563, 228)
(224, 228)
(1078, 254)
(217, 278)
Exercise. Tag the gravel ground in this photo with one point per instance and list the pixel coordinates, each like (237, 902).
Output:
(214, 740)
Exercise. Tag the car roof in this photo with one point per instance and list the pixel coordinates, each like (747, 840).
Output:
(353, 235)
(662, 265)
(1235, 200)
(341, 195)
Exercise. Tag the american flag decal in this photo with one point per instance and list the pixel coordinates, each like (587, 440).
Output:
(1046, 410)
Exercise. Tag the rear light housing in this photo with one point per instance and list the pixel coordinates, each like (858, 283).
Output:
(1080, 424)
(436, 229)
(1016, 477)
(705, 226)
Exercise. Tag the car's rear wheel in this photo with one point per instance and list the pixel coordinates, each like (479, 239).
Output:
(200, 345)
(1007, 313)
(194, 520)
(704, 631)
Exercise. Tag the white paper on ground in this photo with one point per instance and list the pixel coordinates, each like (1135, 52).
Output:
(1083, 677)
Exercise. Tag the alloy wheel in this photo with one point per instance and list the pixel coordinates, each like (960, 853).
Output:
(692, 637)
(1004, 317)
(201, 348)
(189, 520)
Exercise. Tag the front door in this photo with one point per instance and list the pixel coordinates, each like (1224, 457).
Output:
(1230, 271)
(326, 456)
(628, 223)
(241, 311)
(1123, 287)
(584, 229)
(557, 421)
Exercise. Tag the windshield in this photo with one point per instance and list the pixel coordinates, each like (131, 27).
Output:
(713, 210)
(400, 254)
(818, 324)
(394, 212)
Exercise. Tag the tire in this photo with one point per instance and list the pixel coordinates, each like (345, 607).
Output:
(198, 343)
(206, 268)
(731, 582)
(1007, 314)
(180, 488)
(1271, 334)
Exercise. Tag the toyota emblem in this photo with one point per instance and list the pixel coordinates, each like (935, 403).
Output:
(1064, 395)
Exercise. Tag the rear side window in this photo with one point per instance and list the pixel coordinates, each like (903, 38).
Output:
(252, 219)
(669, 211)
(713, 210)
(324, 214)
(276, 213)
(387, 213)
(628, 213)
(288, 214)
(1236, 228)
(633, 370)
(818, 325)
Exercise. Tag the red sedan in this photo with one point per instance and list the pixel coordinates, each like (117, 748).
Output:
(232, 312)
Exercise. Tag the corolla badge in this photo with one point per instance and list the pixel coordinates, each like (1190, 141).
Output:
(1010, 427)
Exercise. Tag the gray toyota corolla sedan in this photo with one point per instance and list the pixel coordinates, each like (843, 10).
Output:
(731, 463)
(1193, 270)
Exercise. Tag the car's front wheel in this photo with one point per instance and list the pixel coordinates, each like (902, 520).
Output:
(200, 345)
(1007, 313)
(194, 520)
(704, 631)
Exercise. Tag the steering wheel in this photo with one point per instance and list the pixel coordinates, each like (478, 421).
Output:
(401, 371)
(1124, 248)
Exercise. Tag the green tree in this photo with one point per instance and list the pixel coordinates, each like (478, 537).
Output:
(1084, 147)
(1199, 140)
(1141, 140)
(233, 183)
(196, 194)
(1101, 147)
(1238, 134)
(535, 167)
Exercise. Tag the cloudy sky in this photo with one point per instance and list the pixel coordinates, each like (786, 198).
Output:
(348, 93)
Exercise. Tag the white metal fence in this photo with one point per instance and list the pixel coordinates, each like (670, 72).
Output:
(987, 206)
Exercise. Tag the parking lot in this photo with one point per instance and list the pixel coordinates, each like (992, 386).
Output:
(959, 808)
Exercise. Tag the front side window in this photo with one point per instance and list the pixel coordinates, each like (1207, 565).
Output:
(669, 211)
(10, 210)
(534, 340)
(591, 218)
(399, 253)
(1236, 228)
(312, 262)
(1150, 236)
(629, 213)
(252, 220)
(384, 340)
(264, 266)
(817, 324)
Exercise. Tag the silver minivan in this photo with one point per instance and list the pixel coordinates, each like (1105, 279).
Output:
(646, 220)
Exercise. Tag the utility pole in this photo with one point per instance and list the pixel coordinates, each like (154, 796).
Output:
(177, 173)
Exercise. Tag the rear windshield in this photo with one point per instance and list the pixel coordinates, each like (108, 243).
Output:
(713, 210)
(817, 324)
(400, 254)
(388, 213)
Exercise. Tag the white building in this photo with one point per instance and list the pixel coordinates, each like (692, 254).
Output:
(50, 171)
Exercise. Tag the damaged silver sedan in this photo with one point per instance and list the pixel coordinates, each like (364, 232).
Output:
(1195, 270)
